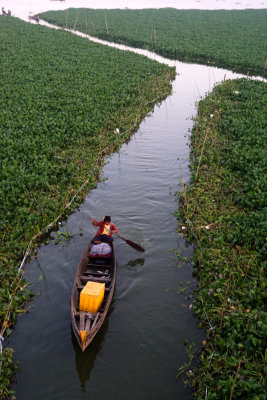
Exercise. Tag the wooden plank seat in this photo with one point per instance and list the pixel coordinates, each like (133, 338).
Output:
(87, 314)
(96, 273)
(100, 261)
(99, 265)
(87, 278)
(100, 256)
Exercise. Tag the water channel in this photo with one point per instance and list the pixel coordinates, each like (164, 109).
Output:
(139, 349)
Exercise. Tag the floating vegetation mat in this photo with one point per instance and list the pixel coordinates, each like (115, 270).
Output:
(236, 39)
(65, 103)
(223, 212)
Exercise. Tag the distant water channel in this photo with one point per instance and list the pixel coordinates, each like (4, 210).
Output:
(138, 351)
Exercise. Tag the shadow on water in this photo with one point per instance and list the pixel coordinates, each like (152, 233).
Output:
(137, 261)
(85, 360)
(42, 276)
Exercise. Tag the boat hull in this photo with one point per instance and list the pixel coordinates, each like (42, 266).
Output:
(100, 269)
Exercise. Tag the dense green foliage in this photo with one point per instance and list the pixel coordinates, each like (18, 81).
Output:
(7, 373)
(226, 220)
(58, 93)
(65, 103)
(244, 124)
(232, 38)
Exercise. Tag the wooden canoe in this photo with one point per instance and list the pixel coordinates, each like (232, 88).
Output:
(34, 17)
(94, 269)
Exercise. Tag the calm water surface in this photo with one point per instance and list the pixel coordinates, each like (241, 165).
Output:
(140, 347)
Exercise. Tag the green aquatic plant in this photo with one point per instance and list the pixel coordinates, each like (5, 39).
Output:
(65, 104)
(232, 38)
(8, 369)
(225, 209)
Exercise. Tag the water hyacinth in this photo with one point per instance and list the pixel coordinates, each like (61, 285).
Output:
(232, 256)
(62, 105)
(233, 38)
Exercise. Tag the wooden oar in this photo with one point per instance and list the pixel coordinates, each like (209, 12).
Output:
(130, 243)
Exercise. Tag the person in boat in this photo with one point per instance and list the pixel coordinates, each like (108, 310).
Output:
(9, 12)
(3, 11)
(105, 231)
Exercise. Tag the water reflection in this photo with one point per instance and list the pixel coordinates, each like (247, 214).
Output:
(146, 327)
(134, 263)
(85, 360)
(42, 276)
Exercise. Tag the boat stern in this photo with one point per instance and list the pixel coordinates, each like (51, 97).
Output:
(83, 339)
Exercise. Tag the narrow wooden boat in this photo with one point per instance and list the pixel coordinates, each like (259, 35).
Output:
(92, 268)
(34, 17)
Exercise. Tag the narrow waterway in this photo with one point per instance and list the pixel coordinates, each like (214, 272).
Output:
(138, 351)
(140, 347)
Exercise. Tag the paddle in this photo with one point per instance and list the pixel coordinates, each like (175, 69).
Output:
(130, 243)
